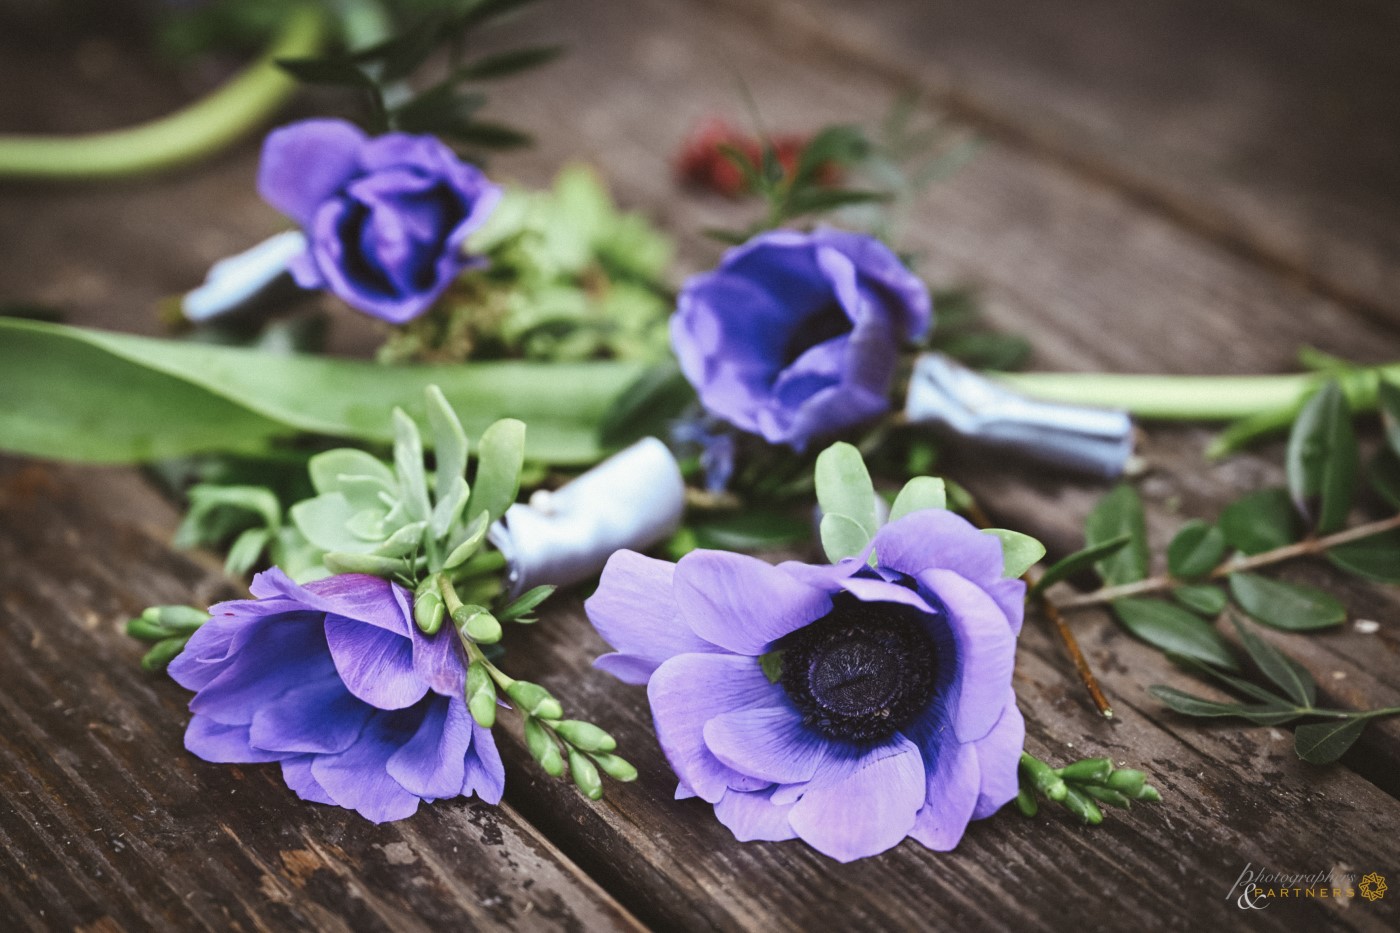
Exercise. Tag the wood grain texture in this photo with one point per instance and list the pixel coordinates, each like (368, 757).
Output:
(107, 823)
(1271, 126)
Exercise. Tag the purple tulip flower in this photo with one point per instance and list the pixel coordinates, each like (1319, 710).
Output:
(892, 714)
(336, 682)
(386, 219)
(796, 335)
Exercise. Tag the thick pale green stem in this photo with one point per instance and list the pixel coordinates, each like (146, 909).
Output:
(199, 130)
(1195, 398)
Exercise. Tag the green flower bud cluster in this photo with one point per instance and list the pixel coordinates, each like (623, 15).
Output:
(1080, 787)
(170, 628)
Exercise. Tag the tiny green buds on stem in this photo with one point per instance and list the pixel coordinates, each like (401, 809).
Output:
(159, 622)
(535, 700)
(163, 652)
(1107, 795)
(543, 747)
(1026, 802)
(481, 695)
(1043, 778)
(428, 610)
(1127, 781)
(619, 769)
(478, 624)
(1087, 771)
(585, 775)
(1081, 786)
(584, 735)
(1081, 806)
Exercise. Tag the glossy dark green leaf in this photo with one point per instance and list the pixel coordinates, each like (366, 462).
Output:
(1375, 558)
(1204, 598)
(1324, 742)
(1384, 474)
(1290, 676)
(1322, 458)
(439, 107)
(1266, 697)
(77, 394)
(1388, 400)
(1195, 550)
(337, 72)
(1191, 705)
(1118, 514)
(1080, 560)
(1261, 521)
(751, 530)
(1290, 606)
(1174, 630)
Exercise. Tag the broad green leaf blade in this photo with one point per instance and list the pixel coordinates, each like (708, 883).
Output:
(1019, 552)
(751, 530)
(1290, 676)
(1261, 521)
(1195, 550)
(657, 398)
(1276, 705)
(1321, 459)
(842, 537)
(921, 492)
(844, 489)
(1324, 742)
(1119, 513)
(100, 397)
(1205, 598)
(501, 455)
(1080, 560)
(1174, 630)
(449, 440)
(1192, 705)
(1384, 474)
(1388, 400)
(1289, 606)
(1375, 558)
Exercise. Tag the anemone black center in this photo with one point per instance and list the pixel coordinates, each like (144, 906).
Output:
(828, 322)
(862, 671)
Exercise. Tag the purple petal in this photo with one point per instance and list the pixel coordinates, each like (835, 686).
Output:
(214, 741)
(375, 664)
(437, 660)
(289, 651)
(485, 774)
(902, 293)
(769, 743)
(951, 797)
(433, 763)
(998, 758)
(870, 590)
(297, 773)
(306, 163)
(319, 717)
(358, 778)
(754, 817)
(688, 691)
(742, 603)
(938, 539)
(633, 609)
(868, 810)
(986, 652)
(353, 595)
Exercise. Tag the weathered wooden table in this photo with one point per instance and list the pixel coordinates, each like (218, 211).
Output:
(1170, 185)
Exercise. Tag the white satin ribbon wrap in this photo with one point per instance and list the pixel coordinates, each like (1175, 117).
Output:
(634, 499)
(240, 280)
(954, 399)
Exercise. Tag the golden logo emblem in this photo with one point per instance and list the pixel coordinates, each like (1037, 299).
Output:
(1373, 887)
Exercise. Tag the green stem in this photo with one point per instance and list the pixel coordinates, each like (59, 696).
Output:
(1197, 398)
(199, 130)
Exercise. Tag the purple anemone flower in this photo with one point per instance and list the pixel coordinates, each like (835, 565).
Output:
(891, 714)
(386, 219)
(336, 682)
(796, 336)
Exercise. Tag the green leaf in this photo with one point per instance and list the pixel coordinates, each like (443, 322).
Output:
(771, 665)
(1261, 521)
(449, 440)
(325, 520)
(1117, 514)
(468, 541)
(449, 506)
(1388, 400)
(657, 398)
(339, 72)
(1190, 705)
(1289, 606)
(501, 455)
(1324, 742)
(1384, 474)
(1375, 558)
(408, 464)
(372, 564)
(921, 492)
(1280, 708)
(245, 550)
(1174, 630)
(505, 64)
(1204, 598)
(751, 530)
(1019, 552)
(1068, 566)
(525, 603)
(331, 469)
(1290, 676)
(847, 497)
(403, 542)
(1195, 550)
(820, 200)
(99, 397)
(1321, 459)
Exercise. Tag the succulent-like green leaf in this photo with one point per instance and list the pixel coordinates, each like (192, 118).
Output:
(1019, 552)
(330, 470)
(847, 498)
(842, 537)
(408, 465)
(921, 492)
(449, 442)
(501, 455)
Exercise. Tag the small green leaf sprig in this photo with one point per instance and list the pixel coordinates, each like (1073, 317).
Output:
(168, 628)
(1082, 787)
(1262, 529)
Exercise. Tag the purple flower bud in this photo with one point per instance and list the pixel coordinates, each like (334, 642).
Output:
(796, 335)
(335, 681)
(387, 218)
(889, 713)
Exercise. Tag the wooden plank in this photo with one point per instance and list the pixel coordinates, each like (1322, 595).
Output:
(1270, 126)
(109, 824)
